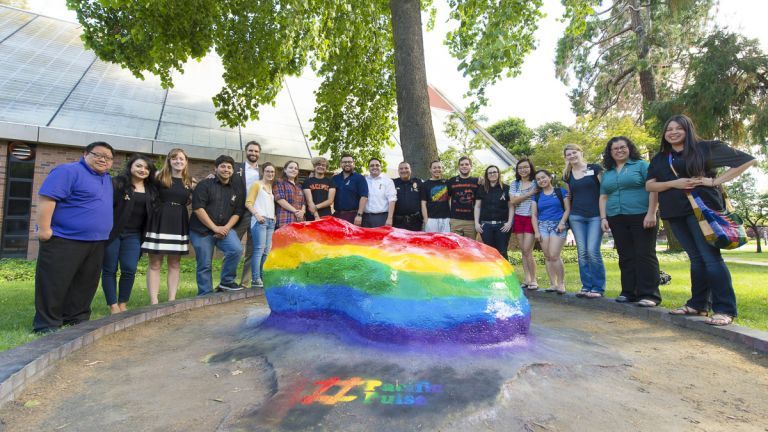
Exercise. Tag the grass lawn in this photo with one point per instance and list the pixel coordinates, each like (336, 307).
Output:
(17, 303)
(17, 288)
(748, 253)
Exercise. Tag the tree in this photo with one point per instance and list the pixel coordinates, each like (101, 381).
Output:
(727, 93)
(461, 128)
(361, 50)
(629, 54)
(514, 135)
(750, 204)
(548, 131)
(591, 134)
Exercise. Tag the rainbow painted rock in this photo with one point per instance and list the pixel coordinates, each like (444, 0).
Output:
(393, 285)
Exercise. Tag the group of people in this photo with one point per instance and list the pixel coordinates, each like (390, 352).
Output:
(144, 210)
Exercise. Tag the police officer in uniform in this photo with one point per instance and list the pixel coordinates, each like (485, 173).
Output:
(408, 204)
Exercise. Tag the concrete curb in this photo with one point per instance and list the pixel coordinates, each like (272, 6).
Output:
(22, 365)
(752, 339)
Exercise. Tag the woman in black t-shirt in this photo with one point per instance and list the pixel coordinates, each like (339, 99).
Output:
(685, 162)
(134, 200)
(493, 211)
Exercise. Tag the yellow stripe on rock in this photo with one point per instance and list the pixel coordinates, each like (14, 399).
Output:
(290, 257)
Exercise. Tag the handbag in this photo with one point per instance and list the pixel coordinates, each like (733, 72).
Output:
(721, 229)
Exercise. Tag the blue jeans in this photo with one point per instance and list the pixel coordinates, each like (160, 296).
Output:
(261, 235)
(204, 244)
(589, 236)
(710, 278)
(125, 249)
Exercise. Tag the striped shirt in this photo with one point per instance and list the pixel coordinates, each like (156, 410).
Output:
(515, 189)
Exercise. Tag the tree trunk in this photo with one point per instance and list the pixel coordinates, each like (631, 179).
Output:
(673, 244)
(645, 72)
(417, 137)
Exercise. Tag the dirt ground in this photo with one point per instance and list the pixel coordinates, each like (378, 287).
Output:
(215, 369)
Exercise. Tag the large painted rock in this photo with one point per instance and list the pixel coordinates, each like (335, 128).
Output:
(394, 285)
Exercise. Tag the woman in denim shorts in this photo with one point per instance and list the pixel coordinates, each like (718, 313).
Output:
(549, 214)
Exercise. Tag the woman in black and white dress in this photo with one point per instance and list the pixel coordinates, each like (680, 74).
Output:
(168, 228)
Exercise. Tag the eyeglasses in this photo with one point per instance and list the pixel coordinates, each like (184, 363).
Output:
(492, 172)
(101, 157)
(619, 148)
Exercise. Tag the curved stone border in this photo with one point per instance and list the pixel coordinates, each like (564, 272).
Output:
(756, 340)
(22, 365)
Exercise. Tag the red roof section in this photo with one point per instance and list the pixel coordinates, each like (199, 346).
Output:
(437, 101)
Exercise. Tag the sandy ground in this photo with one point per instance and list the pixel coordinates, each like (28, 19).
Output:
(214, 370)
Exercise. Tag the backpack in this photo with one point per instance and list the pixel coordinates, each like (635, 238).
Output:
(559, 194)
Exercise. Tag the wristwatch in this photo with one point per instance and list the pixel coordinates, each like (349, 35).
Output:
(360, 214)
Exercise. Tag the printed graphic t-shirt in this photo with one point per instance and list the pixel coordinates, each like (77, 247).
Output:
(435, 193)
(463, 192)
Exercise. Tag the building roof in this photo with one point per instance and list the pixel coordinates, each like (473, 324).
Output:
(53, 90)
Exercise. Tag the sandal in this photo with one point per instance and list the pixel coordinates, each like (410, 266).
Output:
(594, 295)
(646, 303)
(560, 291)
(532, 287)
(582, 293)
(687, 310)
(719, 320)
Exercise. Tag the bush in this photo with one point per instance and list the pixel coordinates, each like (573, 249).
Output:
(17, 270)
(570, 255)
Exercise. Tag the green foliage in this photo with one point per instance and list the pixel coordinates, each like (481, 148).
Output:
(591, 134)
(625, 54)
(348, 44)
(461, 128)
(727, 92)
(548, 131)
(492, 39)
(12, 270)
(514, 135)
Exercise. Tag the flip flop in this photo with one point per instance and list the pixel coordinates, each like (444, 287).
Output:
(594, 295)
(687, 310)
(646, 303)
(582, 293)
(719, 320)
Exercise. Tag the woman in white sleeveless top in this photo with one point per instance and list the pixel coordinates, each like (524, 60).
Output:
(261, 203)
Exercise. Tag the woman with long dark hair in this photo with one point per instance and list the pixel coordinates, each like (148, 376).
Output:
(288, 196)
(629, 212)
(493, 211)
(134, 200)
(686, 162)
(549, 212)
(520, 192)
(168, 228)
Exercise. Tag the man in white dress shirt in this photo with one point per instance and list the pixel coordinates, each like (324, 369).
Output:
(382, 196)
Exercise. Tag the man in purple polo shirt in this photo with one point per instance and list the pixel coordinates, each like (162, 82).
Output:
(74, 219)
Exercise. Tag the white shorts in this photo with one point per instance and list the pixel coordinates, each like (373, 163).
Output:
(438, 225)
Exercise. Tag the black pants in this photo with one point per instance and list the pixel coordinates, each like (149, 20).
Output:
(411, 222)
(66, 278)
(637, 257)
(494, 237)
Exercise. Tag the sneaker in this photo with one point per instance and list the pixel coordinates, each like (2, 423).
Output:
(258, 283)
(622, 299)
(229, 286)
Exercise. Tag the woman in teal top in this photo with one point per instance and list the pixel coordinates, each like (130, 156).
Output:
(629, 212)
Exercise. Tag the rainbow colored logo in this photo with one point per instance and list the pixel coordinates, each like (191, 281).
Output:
(393, 285)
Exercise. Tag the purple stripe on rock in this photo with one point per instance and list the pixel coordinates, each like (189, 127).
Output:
(474, 333)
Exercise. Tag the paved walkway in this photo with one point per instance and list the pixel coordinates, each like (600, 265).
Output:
(740, 261)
